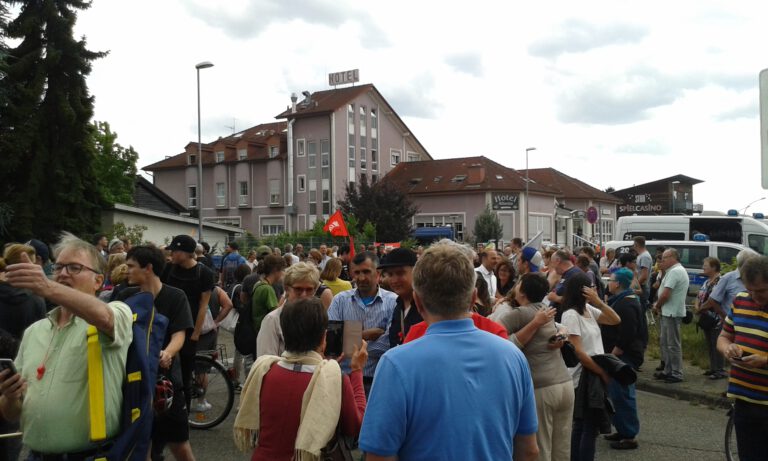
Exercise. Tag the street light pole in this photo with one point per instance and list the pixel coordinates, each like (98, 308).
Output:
(202, 65)
(527, 213)
(752, 203)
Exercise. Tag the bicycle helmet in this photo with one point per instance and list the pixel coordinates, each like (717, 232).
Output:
(163, 394)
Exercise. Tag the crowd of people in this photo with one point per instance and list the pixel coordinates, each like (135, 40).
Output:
(420, 377)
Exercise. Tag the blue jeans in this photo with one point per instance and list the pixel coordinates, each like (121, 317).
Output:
(624, 400)
(583, 439)
(751, 423)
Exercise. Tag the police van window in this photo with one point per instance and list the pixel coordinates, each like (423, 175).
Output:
(727, 255)
(718, 230)
(758, 243)
(692, 257)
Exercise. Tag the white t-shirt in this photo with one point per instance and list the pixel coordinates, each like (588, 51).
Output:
(589, 332)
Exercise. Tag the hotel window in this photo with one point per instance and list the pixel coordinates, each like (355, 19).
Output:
(191, 196)
(300, 148)
(326, 197)
(274, 192)
(219, 156)
(374, 125)
(363, 138)
(243, 200)
(325, 158)
(273, 151)
(413, 157)
(221, 194)
(312, 154)
(313, 196)
(394, 157)
(272, 226)
(192, 159)
(242, 154)
(362, 158)
(374, 159)
(301, 183)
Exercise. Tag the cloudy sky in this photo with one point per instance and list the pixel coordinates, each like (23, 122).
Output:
(614, 93)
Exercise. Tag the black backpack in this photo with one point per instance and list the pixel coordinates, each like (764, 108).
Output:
(245, 333)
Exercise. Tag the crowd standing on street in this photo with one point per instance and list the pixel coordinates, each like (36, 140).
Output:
(455, 353)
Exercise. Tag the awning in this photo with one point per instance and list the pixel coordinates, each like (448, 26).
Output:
(433, 233)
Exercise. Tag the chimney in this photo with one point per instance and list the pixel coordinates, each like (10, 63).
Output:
(476, 173)
(294, 98)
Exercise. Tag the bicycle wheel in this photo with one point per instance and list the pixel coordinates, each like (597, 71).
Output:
(213, 394)
(731, 451)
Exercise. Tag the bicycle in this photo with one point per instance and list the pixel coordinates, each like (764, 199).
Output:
(213, 391)
(731, 451)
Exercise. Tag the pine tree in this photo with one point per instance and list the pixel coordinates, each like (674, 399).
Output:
(46, 137)
(488, 226)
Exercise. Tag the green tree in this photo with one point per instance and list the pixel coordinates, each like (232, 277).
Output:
(114, 166)
(134, 233)
(487, 226)
(382, 205)
(46, 138)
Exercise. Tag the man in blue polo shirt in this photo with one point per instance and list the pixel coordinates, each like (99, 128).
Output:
(456, 393)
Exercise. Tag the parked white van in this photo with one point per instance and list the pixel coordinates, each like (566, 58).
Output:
(692, 254)
(743, 230)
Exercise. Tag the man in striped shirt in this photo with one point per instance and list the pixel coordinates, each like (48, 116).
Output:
(744, 341)
(369, 304)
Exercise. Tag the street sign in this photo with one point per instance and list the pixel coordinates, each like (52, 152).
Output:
(591, 215)
(764, 127)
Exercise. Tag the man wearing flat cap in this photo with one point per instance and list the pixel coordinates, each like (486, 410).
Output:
(398, 266)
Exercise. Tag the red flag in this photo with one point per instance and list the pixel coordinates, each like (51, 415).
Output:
(336, 226)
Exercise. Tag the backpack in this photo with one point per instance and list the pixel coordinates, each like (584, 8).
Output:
(137, 414)
(245, 333)
(228, 267)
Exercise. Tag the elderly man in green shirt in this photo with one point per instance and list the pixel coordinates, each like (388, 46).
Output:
(671, 305)
(50, 391)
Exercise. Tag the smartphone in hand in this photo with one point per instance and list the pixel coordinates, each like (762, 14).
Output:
(7, 364)
(334, 338)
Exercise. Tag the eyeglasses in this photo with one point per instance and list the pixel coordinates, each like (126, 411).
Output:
(72, 268)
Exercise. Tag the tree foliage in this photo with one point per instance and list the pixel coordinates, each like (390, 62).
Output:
(134, 233)
(46, 137)
(488, 226)
(114, 166)
(382, 205)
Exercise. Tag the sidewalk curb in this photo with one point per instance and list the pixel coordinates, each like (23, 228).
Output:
(681, 392)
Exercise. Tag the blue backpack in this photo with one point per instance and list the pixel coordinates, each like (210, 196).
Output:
(133, 440)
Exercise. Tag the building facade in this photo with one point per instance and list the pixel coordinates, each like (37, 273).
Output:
(286, 175)
(673, 195)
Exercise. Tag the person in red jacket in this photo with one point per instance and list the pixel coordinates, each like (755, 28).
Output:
(482, 323)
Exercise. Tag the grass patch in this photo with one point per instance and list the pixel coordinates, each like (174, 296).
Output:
(694, 344)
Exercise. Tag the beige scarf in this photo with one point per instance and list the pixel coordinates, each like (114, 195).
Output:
(320, 406)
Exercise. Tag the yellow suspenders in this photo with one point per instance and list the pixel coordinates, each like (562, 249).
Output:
(97, 412)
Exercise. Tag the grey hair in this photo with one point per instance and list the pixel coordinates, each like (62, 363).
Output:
(745, 255)
(70, 242)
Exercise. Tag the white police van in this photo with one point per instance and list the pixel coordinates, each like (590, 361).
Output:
(743, 230)
(691, 252)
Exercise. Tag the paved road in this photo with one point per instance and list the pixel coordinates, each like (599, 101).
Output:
(672, 430)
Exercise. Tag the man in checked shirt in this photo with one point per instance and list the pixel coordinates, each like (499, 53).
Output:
(369, 304)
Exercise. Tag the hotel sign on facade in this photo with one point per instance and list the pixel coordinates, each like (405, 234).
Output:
(505, 201)
(342, 78)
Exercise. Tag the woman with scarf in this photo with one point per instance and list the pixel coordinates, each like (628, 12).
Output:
(626, 341)
(291, 405)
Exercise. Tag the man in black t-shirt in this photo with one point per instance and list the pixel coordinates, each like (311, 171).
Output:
(145, 264)
(196, 281)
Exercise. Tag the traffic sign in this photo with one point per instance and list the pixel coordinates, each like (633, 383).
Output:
(591, 215)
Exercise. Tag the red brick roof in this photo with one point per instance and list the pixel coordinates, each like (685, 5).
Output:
(256, 139)
(459, 175)
(327, 101)
(568, 186)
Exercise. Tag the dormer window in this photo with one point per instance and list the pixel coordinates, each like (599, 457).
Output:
(191, 159)
(219, 156)
(459, 178)
(273, 151)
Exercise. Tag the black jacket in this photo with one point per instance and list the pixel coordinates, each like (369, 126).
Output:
(413, 317)
(592, 396)
(19, 309)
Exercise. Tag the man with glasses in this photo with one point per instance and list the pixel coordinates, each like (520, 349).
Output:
(300, 281)
(52, 355)
(671, 305)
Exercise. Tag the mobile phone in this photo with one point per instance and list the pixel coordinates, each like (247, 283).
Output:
(556, 338)
(7, 364)
(334, 338)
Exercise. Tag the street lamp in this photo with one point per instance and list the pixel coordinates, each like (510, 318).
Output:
(674, 195)
(202, 65)
(527, 213)
(752, 203)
